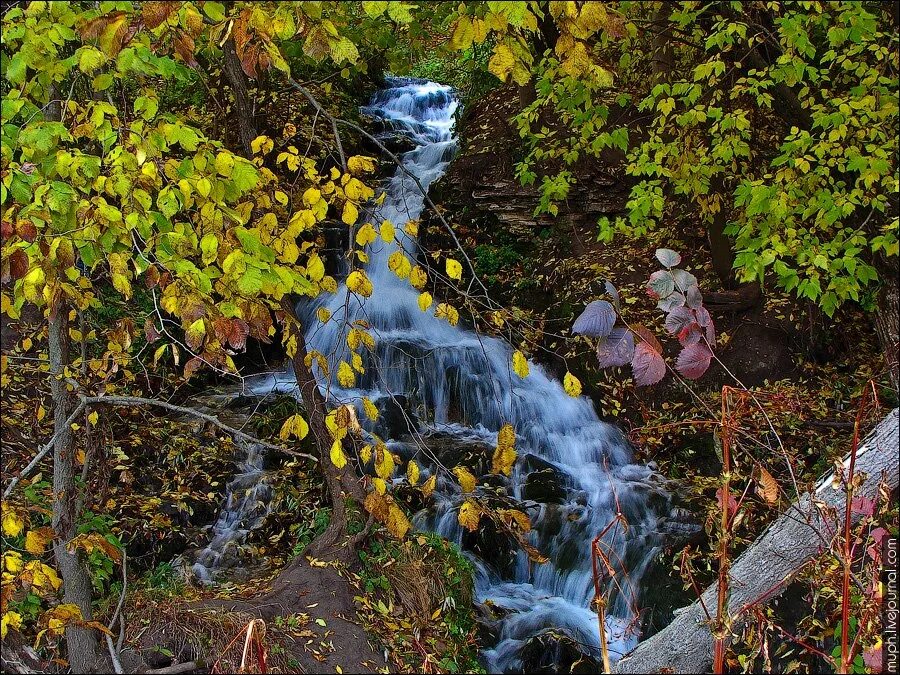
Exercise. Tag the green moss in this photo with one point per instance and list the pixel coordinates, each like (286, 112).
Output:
(395, 577)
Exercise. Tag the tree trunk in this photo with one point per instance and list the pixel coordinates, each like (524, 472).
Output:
(243, 104)
(887, 316)
(663, 52)
(340, 483)
(83, 646)
(720, 248)
(759, 573)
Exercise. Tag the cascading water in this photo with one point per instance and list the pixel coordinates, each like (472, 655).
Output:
(247, 502)
(460, 384)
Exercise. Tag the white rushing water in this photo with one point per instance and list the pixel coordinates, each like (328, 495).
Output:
(460, 384)
(247, 502)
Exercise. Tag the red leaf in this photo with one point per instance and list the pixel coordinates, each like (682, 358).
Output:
(18, 264)
(27, 230)
(648, 365)
(6, 229)
(732, 502)
(647, 337)
(862, 505)
(192, 366)
(694, 360)
(150, 330)
(679, 320)
(238, 330)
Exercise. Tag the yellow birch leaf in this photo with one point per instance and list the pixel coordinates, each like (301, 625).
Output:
(387, 231)
(454, 269)
(412, 472)
(469, 515)
(358, 282)
(12, 522)
(520, 364)
(429, 485)
(503, 460)
(425, 301)
(350, 214)
(337, 455)
(572, 385)
(466, 480)
(370, 409)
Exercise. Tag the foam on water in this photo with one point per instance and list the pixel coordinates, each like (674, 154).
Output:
(461, 383)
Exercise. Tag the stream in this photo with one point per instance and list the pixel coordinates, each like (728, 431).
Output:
(443, 388)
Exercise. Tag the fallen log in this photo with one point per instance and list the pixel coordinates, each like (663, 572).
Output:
(762, 571)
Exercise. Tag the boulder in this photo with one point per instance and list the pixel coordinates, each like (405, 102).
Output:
(555, 651)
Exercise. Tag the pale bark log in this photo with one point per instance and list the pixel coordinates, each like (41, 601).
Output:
(763, 571)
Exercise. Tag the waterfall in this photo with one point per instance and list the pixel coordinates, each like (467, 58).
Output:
(461, 384)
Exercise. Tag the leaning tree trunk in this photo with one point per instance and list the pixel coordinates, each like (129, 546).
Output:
(82, 643)
(340, 483)
(243, 104)
(760, 573)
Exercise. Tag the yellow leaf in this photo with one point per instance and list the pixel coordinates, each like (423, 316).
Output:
(350, 214)
(262, 144)
(380, 485)
(397, 524)
(26, 344)
(506, 436)
(466, 480)
(10, 620)
(358, 282)
(370, 409)
(412, 472)
(384, 461)
(311, 197)
(12, 562)
(337, 455)
(41, 413)
(417, 277)
(294, 426)
(399, 264)
(768, 486)
(448, 312)
(359, 164)
(517, 517)
(572, 385)
(315, 268)
(323, 314)
(469, 515)
(429, 485)
(520, 364)
(365, 453)
(93, 418)
(345, 375)
(503, 460)
(366, 235)
(387, 231)
(12, 522)
(36, 540)
(425, 301)
(412, 228)
(454, 269)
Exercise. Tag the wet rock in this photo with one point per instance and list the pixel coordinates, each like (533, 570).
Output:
(454, 450)
(396, 418)
(544, 483)
(495, 547)
(680, 528)
(554, 651)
